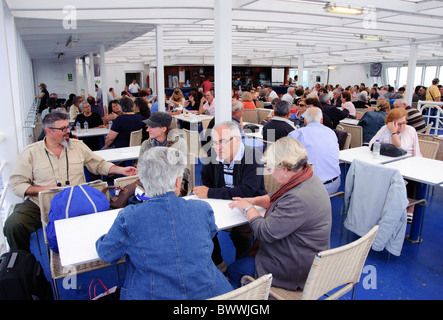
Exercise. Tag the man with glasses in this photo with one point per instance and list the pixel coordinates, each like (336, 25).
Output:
(233, 170)
(56, 161)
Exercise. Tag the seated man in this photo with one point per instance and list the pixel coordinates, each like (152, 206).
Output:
(120, 133)
(334, 113)
(233, 170)
(280, 125)
(54, 162)
(415, 118)
(322, 146)
(94, 121)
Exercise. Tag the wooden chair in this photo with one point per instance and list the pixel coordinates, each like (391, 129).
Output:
(428, 149)
(57, 270)
(136, 138)
(250, 115)
(335, 268)
(356, 134)
(251, 290)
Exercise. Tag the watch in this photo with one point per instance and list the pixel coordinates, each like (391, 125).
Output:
(245, 210)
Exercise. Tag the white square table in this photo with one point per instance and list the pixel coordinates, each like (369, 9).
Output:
(94, 132)
(119, 154)
(350, 121)
(193, 119)
(76, 237)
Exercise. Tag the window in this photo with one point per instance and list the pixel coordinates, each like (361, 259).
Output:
(392, 76)
(418, 74)
(403, 77)
(430, 73)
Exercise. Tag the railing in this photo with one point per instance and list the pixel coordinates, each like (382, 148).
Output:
(432, 112)
(31, 119)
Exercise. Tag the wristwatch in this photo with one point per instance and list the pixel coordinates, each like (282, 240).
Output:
(245, 210)
(393, 133)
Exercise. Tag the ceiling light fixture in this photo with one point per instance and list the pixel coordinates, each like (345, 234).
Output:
(383, 50)
(335, 54)
(369, 37)
(303, 44)
(333, 8)
(252, 29)
(72, 41)
(201, 41)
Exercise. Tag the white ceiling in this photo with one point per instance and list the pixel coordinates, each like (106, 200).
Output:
(127, 28)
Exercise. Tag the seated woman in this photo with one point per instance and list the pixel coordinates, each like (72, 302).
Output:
(247, 100)
(397, 132)
(193, 103)
(114, 110)
(167, 241)
(347, 103)
(297, 222)
(162, 134)
(371, 122)
(176, 103)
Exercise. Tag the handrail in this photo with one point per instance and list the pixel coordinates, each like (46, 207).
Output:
(426, 108)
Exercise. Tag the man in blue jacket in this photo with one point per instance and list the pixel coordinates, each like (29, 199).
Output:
(233, 170)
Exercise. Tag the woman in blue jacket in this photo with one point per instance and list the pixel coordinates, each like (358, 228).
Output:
(167, 240)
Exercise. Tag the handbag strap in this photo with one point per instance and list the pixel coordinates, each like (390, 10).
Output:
(95, 287)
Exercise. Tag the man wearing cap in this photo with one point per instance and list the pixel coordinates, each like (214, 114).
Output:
(162, 134)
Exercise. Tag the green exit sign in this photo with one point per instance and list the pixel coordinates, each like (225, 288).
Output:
(69, 76)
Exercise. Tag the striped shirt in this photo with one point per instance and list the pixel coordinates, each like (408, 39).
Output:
(416, 120)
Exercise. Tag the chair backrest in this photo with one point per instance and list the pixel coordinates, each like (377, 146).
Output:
(356, 134)
(193, 141)
(271, 185)
(136, 138)
(45, 197)
(429, 127)
(124, 181)
(263, 114)
(205, 123)
(425, 136)
(255, 290)
(250, 115)
(428, 149)
(439, 140)
(337, 267)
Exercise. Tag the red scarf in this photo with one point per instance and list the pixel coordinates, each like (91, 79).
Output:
(298, 178)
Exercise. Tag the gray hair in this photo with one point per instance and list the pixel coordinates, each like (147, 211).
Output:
(362, 96)
(282, 108)
(51, 118)
(312, 115)
(400, 101)
(81, 106)
(158, 169)
(286, 153)
(232, 127)
(324, 98)
(238, 105)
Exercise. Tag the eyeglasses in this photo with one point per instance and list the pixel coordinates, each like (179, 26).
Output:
(64, 129)
(222, 141)
(301, 105)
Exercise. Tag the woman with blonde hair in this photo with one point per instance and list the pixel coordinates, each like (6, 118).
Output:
(176, 102)
(247, 101)
(297, 222)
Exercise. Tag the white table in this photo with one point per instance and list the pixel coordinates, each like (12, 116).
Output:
(193, 119)
(77, 236)
(426, 172)
(350, 121)
(365, 154)
(423, 170)
(119, 154)
(94, 132)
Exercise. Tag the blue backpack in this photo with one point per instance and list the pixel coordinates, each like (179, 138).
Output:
(73, 202)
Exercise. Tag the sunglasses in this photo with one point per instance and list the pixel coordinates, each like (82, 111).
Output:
(301, 105)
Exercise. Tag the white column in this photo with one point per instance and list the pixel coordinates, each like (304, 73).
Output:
(85, 76)
(10, 120)
(160, 69)
(223, 60)
(412, 64)
(91, 74)
(103, 76)
(301, 62)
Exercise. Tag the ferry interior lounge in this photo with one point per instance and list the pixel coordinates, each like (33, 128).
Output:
(221, 150)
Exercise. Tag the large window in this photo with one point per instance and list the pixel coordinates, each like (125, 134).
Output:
(392, 76)
(430, 73)
(403, 77)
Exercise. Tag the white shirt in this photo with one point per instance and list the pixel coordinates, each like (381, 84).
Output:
(210, 107)
(287, 97)
(408, 138)
(273, 95)
(133, 87)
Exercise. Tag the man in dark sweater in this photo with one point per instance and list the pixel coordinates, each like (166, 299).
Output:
(233, 170)
(280, 125)
(334, 113)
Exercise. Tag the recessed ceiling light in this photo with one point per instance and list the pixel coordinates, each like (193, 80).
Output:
(342, 9)
(369, 37)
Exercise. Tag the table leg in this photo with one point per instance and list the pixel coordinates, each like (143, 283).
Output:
(417, 220)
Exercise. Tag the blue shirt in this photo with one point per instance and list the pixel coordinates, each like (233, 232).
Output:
(321, 144)
(167, 242)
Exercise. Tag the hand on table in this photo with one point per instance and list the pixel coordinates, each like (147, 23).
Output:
(201, 192)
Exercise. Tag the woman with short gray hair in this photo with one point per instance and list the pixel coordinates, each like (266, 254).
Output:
(167, 240)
